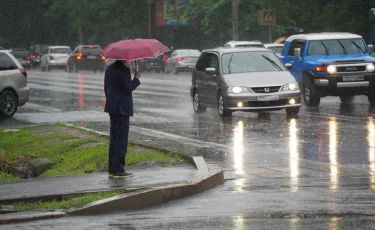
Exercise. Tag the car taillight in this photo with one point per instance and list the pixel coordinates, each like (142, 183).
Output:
(181, 58)
(51, 58)
(79, 57)
(102, 57)
(24, 73)
(33, 57)
(28, 57)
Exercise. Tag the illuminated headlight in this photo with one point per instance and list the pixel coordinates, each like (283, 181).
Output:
(331, 69)
(290, 86)
(370, 67)
(238, 90)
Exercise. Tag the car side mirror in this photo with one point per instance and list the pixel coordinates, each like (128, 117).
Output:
(211, 71)
(297, 52)
(371, 48)
(289, 66)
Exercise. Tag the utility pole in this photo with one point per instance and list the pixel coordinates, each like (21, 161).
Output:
(235, 19)
(80, 34)
(149, 20)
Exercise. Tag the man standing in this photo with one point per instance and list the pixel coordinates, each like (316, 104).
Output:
(118, 88)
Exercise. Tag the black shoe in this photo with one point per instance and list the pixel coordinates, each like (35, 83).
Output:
(122, 175)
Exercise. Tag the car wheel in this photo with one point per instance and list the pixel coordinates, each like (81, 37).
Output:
(8, 103)
(196, 103)
(175, 70)
(221, 107)
(346, 99)
(292, 112)
(41, 67)
(166, 70)
(67, 69)
(310, 94)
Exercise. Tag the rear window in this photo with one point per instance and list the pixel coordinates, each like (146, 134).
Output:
(189, 52)
(20, 53)
(60, 51)
(91, 50)
(6, 63)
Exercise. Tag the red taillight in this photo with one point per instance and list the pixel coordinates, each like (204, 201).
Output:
(24, 73)
(79, 57)
(91, 46)
(181, 58)
(102, 57)
(28, 57)
(51, 58)
(33, 57)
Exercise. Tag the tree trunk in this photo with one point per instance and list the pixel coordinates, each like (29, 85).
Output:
(80, 35)
(234, 19)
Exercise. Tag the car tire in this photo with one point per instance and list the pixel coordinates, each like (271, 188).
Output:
(292, 112)
(346, 99)
(68, 69)
(166, 70)
(221, 107)
(175, 70)
(310, 95)
(8, 103)
(196, 105)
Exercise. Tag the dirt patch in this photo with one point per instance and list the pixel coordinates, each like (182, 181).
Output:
(53, 129)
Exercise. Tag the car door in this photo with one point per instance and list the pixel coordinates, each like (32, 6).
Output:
(296, 70)
(200, 78)
(211, 80)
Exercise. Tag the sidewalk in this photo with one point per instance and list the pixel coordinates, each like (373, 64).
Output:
(142, 179)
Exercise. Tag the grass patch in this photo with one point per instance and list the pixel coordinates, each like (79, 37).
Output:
(5, 176)
(65, 204)
(70, 154)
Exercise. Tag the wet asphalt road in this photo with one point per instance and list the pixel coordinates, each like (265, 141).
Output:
(314, 172)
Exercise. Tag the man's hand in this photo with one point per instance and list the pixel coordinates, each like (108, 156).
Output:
(137, 74)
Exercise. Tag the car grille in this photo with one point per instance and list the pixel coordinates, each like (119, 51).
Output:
(271, 89)
(267, 103)
(347, 69)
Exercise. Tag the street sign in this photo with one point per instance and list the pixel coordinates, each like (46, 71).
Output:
(267, 18)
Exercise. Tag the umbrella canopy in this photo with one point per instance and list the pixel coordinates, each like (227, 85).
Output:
(134, 49)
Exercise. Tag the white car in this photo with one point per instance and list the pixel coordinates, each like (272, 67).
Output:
(277, 48)
(239, 44)
(13, 84)
(55, 57)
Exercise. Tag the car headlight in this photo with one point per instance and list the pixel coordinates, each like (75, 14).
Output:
(370, 67)
(290, 86)
(238, 90)
(331, 69)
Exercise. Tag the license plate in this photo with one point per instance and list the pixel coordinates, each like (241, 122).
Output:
(353, 78)
(268, 98)
(91, 57)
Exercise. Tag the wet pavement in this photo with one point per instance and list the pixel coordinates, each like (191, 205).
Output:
(314, 172)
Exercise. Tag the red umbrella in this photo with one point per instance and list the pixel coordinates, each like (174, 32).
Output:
(134, 49)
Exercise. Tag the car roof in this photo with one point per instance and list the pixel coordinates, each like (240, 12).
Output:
(244, 42)
(59, 47)
(323, 36)
(222, 50)
(187, 50)
(273, 45)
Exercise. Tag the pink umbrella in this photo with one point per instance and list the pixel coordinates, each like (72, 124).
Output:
(134, 49)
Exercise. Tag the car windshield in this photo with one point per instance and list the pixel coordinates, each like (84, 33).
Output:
(336, 46)
(276, 49)
(251, 61)
(91, 50)
(194, 53)
(60, 51)
(20, 53)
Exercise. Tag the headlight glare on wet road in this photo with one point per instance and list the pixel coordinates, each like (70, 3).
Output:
(238, 90)
(331, 69)
(291, 86)
(370, 67)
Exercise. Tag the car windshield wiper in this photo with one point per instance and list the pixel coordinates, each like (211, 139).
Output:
(358, 47)
(230, 60)
(272, 62)
(342, 46)
(325, 47)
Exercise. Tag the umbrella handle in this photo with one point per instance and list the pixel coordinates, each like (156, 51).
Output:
(136, 66)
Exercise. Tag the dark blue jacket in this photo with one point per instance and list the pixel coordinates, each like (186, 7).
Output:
(118, 88)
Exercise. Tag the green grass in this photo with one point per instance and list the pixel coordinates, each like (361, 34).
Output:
(67, 153)
(64, 204)
(5, 176)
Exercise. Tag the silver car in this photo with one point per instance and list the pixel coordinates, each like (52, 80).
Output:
(55, 56)
(13, 84)
(243, 79)
(239, 44)
(183, 60)
(277, 48)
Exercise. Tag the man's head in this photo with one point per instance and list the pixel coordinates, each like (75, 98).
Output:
(126, 63)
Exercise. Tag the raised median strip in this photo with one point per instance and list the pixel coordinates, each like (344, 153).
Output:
(149, 198)
(29, 216)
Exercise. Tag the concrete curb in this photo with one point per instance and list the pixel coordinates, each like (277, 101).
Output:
(30, 217)
(152, 197)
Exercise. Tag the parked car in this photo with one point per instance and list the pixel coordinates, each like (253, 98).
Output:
(13, 84)
(331, 64)
(36, 52)
(22, 55)
(233, 44)
(182, 60)
(55, 57)
(277, 48)
(86, 57)
(246, 79)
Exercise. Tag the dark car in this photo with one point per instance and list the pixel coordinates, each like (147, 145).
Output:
(86, 57)
(36, 52)
(156, 64)
(22, 55)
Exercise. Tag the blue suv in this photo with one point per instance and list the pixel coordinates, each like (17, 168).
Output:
(331, 64)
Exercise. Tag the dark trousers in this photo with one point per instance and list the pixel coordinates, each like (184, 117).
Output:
(118, 143)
